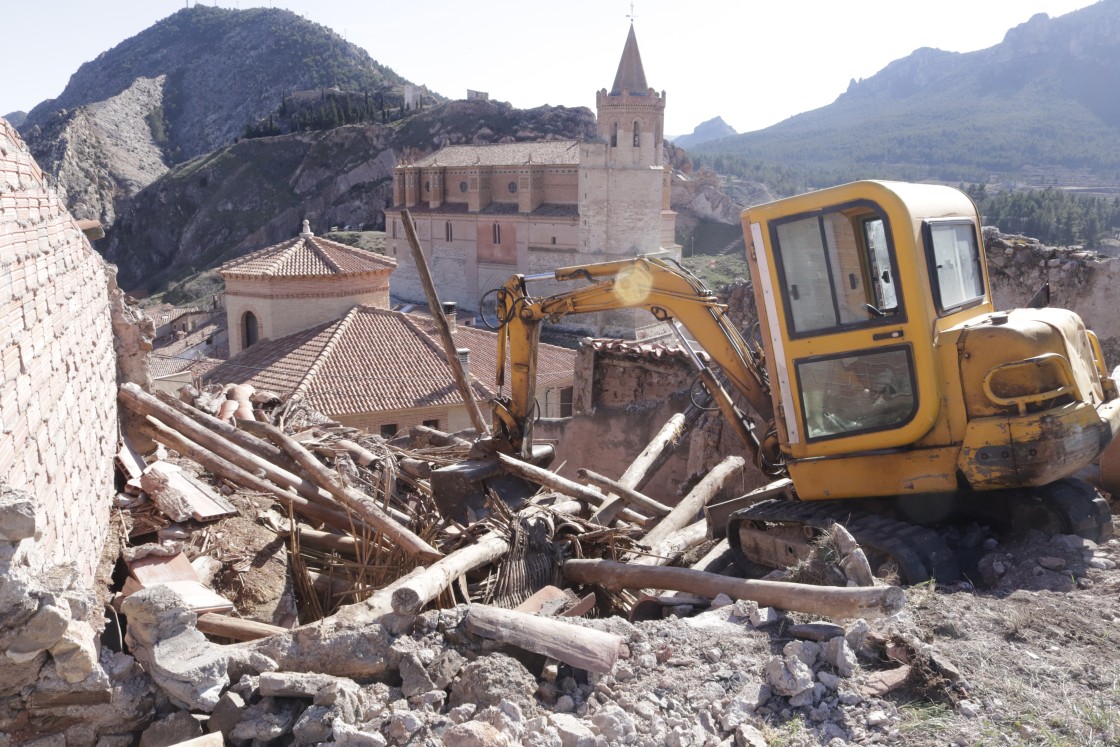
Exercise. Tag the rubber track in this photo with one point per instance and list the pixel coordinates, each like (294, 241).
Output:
(920, 553)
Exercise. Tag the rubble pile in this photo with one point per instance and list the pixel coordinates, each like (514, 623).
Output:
(502, 623)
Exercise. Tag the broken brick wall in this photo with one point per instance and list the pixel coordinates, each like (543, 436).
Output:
(59, 393)
(624, 392)
(58, 437)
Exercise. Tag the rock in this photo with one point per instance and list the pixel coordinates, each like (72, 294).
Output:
(17, 514)
(75, 654)
(463, 713)
(403, 725)
(226, 713)
(806, 651)
(742, 706)
(1052, 563)
(445, 668)
(747, 735)
(572, 731)
(613, 724)
(839, 656)
(314, 726)
(762, 616)
(269, 719)
(161, 634)
(788, 676)
(346, 735)
(968, 709)
(172, 729)
(816, 631)
(489, 680)
(883, 682)
(475, 734)
(856, 635)
(44, 629)
(414, 678)
(721, 600)
(828, 679)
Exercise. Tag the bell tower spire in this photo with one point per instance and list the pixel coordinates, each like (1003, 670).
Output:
(631, 117)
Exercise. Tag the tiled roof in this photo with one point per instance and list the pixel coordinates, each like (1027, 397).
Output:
(547, 152)
(636, 350)
(554, 363)
(170, 353)
(306, 256)
(374, 360)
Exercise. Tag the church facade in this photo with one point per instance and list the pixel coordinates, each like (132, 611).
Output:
(485, 212)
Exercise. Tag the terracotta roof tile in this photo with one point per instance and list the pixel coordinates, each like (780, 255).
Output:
(375, 360)
(306, 256)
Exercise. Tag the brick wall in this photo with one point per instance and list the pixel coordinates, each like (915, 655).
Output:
(58, 398)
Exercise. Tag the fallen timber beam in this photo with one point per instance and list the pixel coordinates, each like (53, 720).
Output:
(461, 381)
(139, 401)
(826, 601)
(228, 470)
(358, 502)
(629, 495)
(685, 512)
(235, 628)
(674, 545)
(422, 587)
(576, 645)
(425, 586)
(242, 438)
(549, 479)
(642, 467)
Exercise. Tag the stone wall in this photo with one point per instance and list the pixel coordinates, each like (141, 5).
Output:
(59, 434)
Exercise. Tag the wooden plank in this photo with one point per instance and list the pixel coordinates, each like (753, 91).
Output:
(158, 569)
(202, 503)
(236, 628)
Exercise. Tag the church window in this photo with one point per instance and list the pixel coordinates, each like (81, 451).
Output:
(497, 234)
(427, 187)
(447, 231)
(637, 135)
(394, 229)
(463, 186)
(512, 188)
(614, 134)
(251, 332)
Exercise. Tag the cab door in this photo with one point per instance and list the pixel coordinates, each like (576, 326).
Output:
(852, 356)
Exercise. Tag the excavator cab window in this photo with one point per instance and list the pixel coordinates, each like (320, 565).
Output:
(857, 393)
(838, 271)
(954, 260)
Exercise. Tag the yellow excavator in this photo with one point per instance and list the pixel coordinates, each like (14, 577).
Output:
(882, 388)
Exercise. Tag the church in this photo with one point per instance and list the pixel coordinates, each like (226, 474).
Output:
(485, 212)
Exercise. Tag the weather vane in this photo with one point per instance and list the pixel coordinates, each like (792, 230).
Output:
(631, 16)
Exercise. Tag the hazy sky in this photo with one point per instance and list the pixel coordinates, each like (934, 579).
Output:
(753, 63)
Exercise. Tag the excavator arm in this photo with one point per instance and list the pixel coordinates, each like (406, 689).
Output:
(672, 295)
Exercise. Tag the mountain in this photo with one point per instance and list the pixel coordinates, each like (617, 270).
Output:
(185, 86)
(1040, 107)
(257, 192)
(713, 129)
(15, 119)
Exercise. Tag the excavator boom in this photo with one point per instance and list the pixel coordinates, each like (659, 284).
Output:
(670, 293)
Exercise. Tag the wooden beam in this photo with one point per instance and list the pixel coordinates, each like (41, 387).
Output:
(685, 512)
(449, 346)
(576, 645)
(357, 501)
(826, 601)
(235, 628)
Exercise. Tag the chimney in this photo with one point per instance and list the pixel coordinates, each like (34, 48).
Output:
(449, 314)
(464, 355)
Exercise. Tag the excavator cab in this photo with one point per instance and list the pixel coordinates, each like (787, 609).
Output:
(893, 374)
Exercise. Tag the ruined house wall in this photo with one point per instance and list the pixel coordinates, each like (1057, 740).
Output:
(58, 400)
(623, 394)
